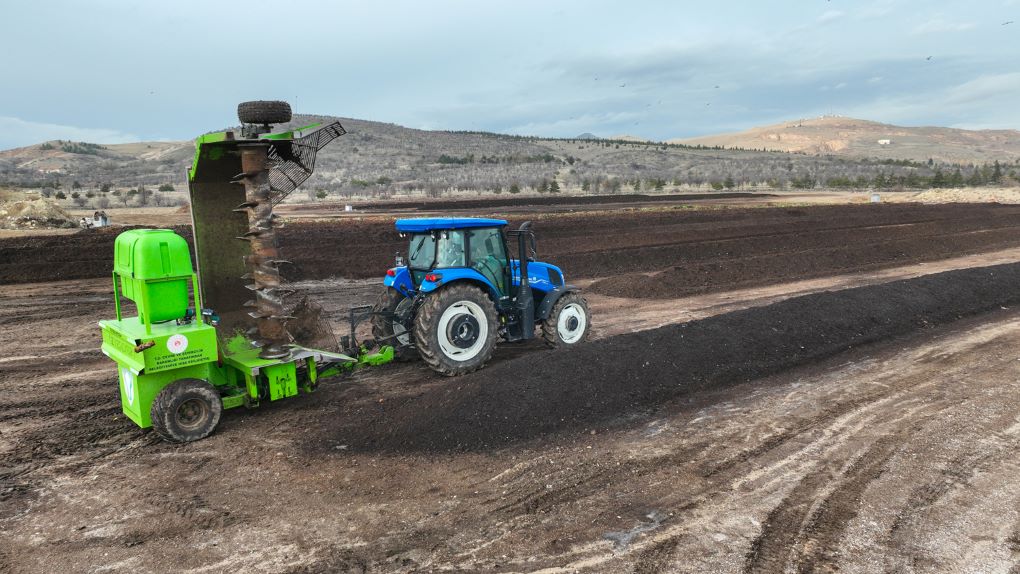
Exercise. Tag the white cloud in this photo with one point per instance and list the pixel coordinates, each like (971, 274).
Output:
(985, 89)
(830, 16)
(984, 102)
(16, 132)
(939, 25)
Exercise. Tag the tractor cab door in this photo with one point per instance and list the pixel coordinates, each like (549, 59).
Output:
(487, 255)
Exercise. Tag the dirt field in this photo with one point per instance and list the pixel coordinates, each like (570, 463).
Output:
(819, 389)
(654, 253)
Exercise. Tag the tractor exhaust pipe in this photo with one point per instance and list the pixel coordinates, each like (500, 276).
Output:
(525, 298)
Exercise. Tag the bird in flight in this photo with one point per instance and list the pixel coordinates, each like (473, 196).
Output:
(623, 85)
(928, 58)
(1010, 22)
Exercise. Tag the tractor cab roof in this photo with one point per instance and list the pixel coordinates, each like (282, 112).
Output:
(426, 224)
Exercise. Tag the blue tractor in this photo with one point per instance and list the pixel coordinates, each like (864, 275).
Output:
(460, 289)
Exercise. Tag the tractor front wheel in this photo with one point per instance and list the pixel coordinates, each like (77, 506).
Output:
(186, 410)
(455, 330)
(568, 322)
(387, 325)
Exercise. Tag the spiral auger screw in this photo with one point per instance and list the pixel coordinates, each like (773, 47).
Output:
(263, 263)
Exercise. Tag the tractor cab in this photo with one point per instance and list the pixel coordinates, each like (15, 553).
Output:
(471, 270)
(458, 244)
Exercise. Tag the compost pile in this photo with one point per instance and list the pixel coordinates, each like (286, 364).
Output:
(644, 254)
(489, 203)
(608, 382)
(34, 214)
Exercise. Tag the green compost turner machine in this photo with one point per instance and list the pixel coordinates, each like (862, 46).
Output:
(219, 338)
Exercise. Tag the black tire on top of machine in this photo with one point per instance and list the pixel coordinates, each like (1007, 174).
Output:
(264, 112)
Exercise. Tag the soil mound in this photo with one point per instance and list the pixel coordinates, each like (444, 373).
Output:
(695, 251)
(607, 382)
(799, 251)
(512, 201)
(33, 214)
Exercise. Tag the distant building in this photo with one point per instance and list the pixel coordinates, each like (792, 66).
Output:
(884, 142)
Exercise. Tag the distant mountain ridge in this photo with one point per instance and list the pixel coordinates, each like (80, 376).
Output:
(383, 159)
(850, 137)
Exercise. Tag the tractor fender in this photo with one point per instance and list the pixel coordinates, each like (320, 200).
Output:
(459, 275)
(400, 280)
(550, 299)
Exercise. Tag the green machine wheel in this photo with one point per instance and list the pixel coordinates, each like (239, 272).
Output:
(186, 410)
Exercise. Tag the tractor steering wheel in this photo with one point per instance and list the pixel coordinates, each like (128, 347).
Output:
(493, 266)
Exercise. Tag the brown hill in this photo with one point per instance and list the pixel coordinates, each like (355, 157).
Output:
(380, 159)
(861, 138)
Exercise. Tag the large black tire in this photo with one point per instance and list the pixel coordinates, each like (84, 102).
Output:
(186, 410)
(568, 323)
(455, 330)
(264, 112)
(384, 327)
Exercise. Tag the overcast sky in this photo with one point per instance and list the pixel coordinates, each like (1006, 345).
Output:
(111, 72)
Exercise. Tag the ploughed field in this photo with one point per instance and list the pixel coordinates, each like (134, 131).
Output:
(636, 253)
(783, 389)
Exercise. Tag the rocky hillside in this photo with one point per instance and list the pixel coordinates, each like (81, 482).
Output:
(380, 159)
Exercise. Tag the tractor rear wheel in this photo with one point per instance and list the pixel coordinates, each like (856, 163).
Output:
(455, 330)
(568, 322)
(387, 328)
(186, 410)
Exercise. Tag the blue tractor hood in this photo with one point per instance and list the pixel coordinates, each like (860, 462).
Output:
(426, 224)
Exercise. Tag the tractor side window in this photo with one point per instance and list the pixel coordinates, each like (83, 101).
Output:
(488, 256)
(485, 244)
(451, 249)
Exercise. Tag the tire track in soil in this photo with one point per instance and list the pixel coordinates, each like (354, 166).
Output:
(804, 527)
(827, 523)
(810, 539)
(772, 442)
(194, 509)
(595, 477)
(1013, 543)
(954, 476)
(74, 438)
(336, 560)
(658, 558)
(722, 476)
